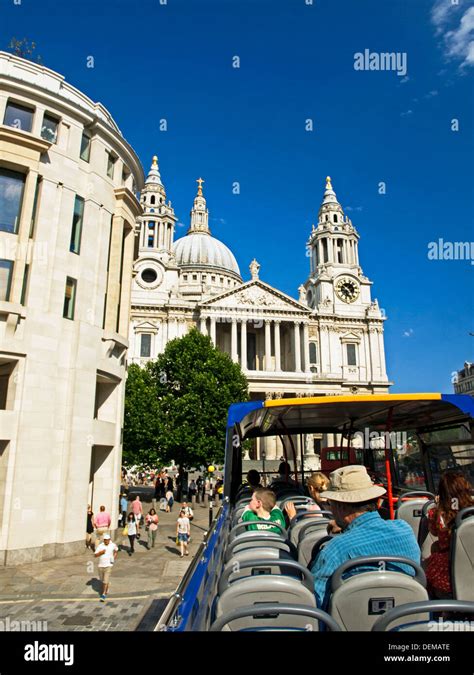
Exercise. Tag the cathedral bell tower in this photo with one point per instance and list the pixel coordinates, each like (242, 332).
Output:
(158, 221)
(155, 270)
(335, 274)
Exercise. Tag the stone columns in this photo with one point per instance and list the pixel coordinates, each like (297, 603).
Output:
(243, 336)
(233, 342)
(297, 347)
(277, 346)
(213, 330)
(306, 347)
(203, 327)
(268, 346)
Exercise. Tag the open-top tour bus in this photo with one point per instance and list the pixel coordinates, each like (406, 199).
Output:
(261, 580)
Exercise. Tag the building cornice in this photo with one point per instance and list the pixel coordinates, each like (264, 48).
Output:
(24, 139)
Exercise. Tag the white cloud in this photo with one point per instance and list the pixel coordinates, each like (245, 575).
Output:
(404, 80)
(431, 94)
(180, 224)
(456, 28)
(407, 113)
(408, 333)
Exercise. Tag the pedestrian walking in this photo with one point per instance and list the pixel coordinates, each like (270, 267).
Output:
(183, 530)
(169, 501)
(101, 523)
(106, 552)
(131, 528)
(137, 509)
(188, 512)
(152, 527)
(90, 528)
(123, 508)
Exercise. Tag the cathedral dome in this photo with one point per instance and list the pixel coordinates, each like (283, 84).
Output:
(199, 249)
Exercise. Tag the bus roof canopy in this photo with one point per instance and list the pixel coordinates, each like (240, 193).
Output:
(321, 414)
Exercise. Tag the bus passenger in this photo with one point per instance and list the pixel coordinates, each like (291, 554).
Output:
(454, 494)
(262, 507)
(316, 483)
(353, 501)
(253, 479)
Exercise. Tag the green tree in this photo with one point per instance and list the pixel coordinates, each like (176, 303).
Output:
(24, 49)
(140, 431)
(176, 408)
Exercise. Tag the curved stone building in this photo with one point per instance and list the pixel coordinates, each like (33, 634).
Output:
(68, 210)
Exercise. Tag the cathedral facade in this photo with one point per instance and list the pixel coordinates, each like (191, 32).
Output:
(328, 341)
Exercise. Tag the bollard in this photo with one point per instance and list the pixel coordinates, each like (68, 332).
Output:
(193, 500)
(210, 513)
(206, 500)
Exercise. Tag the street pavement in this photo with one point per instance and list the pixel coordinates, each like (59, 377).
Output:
(64, 594)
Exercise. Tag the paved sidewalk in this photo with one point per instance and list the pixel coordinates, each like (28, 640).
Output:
(65, 593)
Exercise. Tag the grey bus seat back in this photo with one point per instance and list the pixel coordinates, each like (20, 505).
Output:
(226, 621)
(306, 523)
(414, 609)
(357, 601)
(267, 589)
(426, 540)
(298, 501)
(253, 545)
(261, 566)
(411, 510)
(263, 526)
(238, 572)
(462, 556)
(307, 544)
(258, 538)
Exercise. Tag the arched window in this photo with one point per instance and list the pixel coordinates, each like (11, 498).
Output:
(335, 217)
(152, 199)
(313, 353)
(325, 250)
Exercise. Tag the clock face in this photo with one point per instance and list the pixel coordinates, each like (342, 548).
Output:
(347, 289)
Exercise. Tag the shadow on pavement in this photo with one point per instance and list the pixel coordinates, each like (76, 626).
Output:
(173, 550)
(96, 585)
(150, 619)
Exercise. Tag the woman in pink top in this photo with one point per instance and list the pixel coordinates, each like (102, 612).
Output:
(138, 513)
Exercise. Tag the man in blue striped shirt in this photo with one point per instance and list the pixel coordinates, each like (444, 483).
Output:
(353, 499)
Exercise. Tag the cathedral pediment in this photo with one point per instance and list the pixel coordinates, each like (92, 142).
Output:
(256, 295)
(146, 326)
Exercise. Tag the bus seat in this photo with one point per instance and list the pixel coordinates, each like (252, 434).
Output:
(462, 555)
(254, 590)
(357, 601)
(308, 546)
(250, 540)
(257, 618)
(430, 624)
(410, 510)
(244, 527)
(234, 570)
(298, 500)
(425, 538)
(303, 522)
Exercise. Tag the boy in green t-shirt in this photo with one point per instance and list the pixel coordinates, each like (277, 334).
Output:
(262, 507)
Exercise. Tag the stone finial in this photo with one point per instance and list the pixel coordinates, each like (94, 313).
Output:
(302, 292)
(254, 268)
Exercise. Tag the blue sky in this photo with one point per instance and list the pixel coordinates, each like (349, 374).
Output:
(247, 124)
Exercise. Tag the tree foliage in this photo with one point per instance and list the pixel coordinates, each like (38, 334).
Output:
(24, 49)
(176, 408)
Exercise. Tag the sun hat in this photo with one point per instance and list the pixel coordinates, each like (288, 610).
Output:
(352, 484)
(106, 536)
